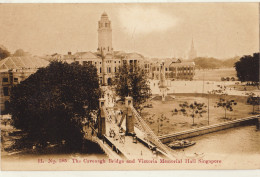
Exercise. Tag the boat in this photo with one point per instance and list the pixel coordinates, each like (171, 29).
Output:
(181, 144)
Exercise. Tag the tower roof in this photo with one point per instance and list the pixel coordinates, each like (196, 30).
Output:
(104, 14)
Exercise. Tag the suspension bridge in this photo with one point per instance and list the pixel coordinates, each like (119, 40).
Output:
(125, 135)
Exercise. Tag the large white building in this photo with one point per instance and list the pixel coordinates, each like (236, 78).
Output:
(106, 59)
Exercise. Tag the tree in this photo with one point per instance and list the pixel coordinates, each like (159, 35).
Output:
(253, 100)
(194, 109)
(132, 81)
(227, 105)
(4, 53)
(19, 53)
(49, 105)
(248, 68)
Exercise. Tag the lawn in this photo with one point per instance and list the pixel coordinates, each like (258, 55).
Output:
(178, 122)
(214, 74)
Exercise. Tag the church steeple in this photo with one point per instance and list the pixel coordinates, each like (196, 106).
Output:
(104, 35)
(193, 53)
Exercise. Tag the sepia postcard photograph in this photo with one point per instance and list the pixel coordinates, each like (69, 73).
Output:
(129, 86)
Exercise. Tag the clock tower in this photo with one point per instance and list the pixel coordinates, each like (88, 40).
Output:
(104, 35)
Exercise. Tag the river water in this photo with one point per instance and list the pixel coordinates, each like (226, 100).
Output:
(238, 147)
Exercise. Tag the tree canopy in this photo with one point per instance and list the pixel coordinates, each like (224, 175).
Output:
(132, 81)
(227, 105)
(50, 104)
(4, 53)
(213, 63)
(193, 110)
(248, 68)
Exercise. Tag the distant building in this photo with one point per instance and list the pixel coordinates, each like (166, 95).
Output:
(175, 69)
(192, 53)
(13, 70)
(182, 71)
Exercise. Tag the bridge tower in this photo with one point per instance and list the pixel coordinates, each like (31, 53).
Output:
(101, 118)
(129, 116)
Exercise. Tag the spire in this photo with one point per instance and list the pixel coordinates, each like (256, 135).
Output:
(192, 53)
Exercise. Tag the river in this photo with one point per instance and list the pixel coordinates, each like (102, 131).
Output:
(238, 147)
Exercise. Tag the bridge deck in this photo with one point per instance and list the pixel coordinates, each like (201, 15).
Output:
(129, 149)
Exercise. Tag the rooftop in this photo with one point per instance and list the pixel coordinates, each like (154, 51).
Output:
(22, 62)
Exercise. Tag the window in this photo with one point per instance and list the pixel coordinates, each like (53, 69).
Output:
(5, 79)
(100, 70)
(115, 69)
(115, 61)
(6, 92)
(109, 70)
(15, 79)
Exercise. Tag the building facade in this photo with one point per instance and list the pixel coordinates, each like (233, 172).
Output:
(14, 70)
(175, 69)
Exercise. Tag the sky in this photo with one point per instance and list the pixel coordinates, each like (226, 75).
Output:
(220, 30)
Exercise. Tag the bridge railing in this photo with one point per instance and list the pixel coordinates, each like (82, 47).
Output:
(210, 126)
(151, 136)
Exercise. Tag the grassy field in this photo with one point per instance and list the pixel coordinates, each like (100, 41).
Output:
(215, 74)
(175, 123)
